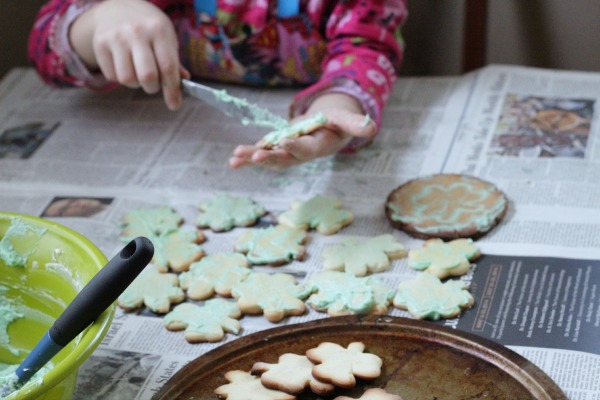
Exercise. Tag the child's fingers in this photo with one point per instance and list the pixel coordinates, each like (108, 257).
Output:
(167, 58)
(124, 67)
(105, 62)
(146, 69)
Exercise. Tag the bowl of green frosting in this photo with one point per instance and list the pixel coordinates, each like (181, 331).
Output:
(43, 265)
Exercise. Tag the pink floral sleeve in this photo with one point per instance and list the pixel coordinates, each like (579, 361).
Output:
(364, 54)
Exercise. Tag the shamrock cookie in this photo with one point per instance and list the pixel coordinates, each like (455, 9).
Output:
(297, 129)
(244, 386)
(426, 297)
(292, 374)
(341, 366)
(224, 212)
(444, 259)
(372, 394)
(149, 222)
(275, 245)
(216, 273)
(341, 293)
(154, 289)
(207, 323)
(321, 213)
(360, 258)
(276, 296)
(446, 206)
(177, 249)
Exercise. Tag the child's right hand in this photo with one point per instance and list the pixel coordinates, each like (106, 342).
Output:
(131, 42)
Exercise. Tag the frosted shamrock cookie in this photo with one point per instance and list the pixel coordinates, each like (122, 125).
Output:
(324, 214)
(224, 212)
(372, 394)
(292, 374)
(207, 323)
(446, 206)
(297, 129)
(275, 245)
(444, 259)
(154, 289)
(216, 273)
(244, 386)
(341, 293)
(341, 366)
(149, 222)
(361, 258)
(175, 247)
(276, 296)
(426, 297)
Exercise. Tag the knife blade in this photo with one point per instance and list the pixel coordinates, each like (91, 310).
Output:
(235, 107)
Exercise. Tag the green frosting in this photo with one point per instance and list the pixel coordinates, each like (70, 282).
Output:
(8, 314)
(17, 229)
(224, 212)
(258, 116)
(299, 128)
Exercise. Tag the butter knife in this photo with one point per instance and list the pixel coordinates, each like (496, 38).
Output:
(235, 107)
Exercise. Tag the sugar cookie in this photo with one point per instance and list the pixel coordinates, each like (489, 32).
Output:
(361, 258)
(341, 293)
(276, 296)
(175, 247)
(215, 273)
(341, 366)
(275, 245)
(297, 129)
(244, 386)
(446, 206)
(372, 394)
(444, 259)
(149, 222)
(154, 289)
(206, 323)
(224, 212)
(321, 213)
(292, 374)
(426, 297)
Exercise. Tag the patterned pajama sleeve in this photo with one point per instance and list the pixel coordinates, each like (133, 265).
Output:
(364, 54)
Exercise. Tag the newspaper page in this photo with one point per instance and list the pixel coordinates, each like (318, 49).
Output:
(105, 154)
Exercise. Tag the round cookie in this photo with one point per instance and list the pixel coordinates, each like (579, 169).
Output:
(446, 206)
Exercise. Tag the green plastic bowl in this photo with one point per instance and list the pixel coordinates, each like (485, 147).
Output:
(59, 263)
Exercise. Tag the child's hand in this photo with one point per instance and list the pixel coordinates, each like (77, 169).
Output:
(131, 42)
(345, 120)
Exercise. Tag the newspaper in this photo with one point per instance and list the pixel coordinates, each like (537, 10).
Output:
(532, 132)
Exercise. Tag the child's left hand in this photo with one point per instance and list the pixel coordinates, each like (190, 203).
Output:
(345, 120)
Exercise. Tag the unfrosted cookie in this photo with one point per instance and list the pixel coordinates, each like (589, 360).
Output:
(224, 212)
(175, 247)
(297, 129)
(372, 394)
(360, 258)
(149, 222)
(292, 374)
(215, 273)
(426, 297)
(206, 323)
(275, 245)
(154, 289)
(324, 214)
(276, 296)
(444, 259)
(341, 293)
(244, 386)
(446, 206)
(341, 366)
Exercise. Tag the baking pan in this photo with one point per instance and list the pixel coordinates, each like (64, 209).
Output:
(421, 361)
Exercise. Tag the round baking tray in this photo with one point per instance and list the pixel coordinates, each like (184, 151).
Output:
(421, 360)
